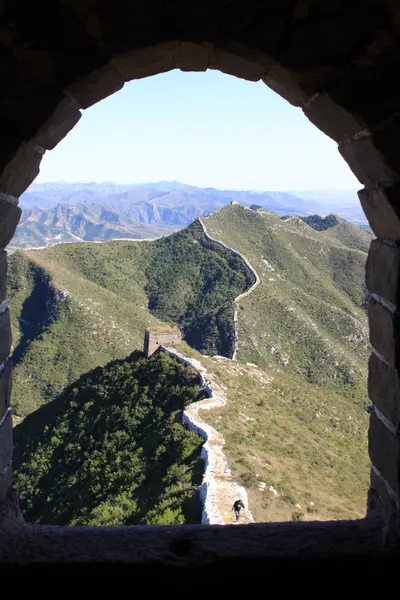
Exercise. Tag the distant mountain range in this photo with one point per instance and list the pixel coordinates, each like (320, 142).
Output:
(56, 212)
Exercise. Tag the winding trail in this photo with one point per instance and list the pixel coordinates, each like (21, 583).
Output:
(218, 490)
(249, 291)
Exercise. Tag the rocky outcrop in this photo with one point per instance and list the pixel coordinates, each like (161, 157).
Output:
(218, 490)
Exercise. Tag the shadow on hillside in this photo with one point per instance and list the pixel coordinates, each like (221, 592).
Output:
(37, 311)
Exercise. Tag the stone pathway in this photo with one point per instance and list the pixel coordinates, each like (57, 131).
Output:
(218, 491)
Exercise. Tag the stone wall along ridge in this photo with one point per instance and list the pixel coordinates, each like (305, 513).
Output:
(238, 298)
(218, 490)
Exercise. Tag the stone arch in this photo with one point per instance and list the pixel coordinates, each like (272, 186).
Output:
(334, 61)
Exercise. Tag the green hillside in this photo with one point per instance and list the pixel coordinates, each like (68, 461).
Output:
(350, 236)
(296, 415)
(112, 450)
(307, 316)
(77, 306)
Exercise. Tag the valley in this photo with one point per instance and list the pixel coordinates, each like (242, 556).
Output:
(296, 415)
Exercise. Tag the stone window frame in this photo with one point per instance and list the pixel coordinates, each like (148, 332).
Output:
(367, 151)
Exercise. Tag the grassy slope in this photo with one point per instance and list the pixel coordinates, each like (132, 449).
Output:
(102, 311)
(306, 315)
(308, 442)
(349, 235)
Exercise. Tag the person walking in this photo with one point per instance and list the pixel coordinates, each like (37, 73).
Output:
(237, 507)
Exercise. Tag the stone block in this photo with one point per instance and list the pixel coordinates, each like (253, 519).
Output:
(383, 271)
(382, 208)
(21, 170)
(283, 83)
(382, 501)
(241, 62)
(384, 389)
(64, 118)
(366, 162)
(332, 119)
(5, 388)
(384, 332)
(384, 452)
(10, 215)
(96, 86)
(5, 335)
(3, 274)
(5, 482)
(145, 62)
(193, 57)
(6, 443)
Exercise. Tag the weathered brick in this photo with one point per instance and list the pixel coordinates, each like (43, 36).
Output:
(193, 57)
(21, 170)
(381, 503)
(5, 335)
(332, 119)
(5, 482)
(145, 62)
(64, 118)
(384, 332)
(241, 62)
(384, 389)
(384, 452)
(6, 443)
(383, 271)
(366, 162)
(382, 208)
(5, 388)
(3, 275)
(283, 83)
(10, 215)
(96, 86)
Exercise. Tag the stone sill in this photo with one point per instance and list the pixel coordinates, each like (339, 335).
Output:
(187, 548)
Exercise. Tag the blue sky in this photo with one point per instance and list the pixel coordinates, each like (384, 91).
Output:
(205, 129)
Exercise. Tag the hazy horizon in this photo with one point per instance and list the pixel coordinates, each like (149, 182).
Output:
(211, 129)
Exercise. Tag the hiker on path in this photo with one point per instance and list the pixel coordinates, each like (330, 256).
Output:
(237, 507)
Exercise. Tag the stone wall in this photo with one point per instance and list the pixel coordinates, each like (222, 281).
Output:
(218, 488)
(246, 293)
(153, 340)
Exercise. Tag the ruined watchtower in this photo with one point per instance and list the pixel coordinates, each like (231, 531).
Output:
(154, 337)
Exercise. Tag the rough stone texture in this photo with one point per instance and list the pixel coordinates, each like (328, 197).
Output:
(6, 449)
(384, 452)
(209, 550)
(283, 83)
(3, 274)
(21, 170)
(64, 118)
(240, 62)
(383, 332)
(383, 271)
(10, 215)
(190, 56)
(153, 340)
(5, 335)
(5, 388)
(5, 483)
(332, 119)
(366, 162)
(384, 389)
(382, 208)
(96, 86)
(381, 503)
(146, 61)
